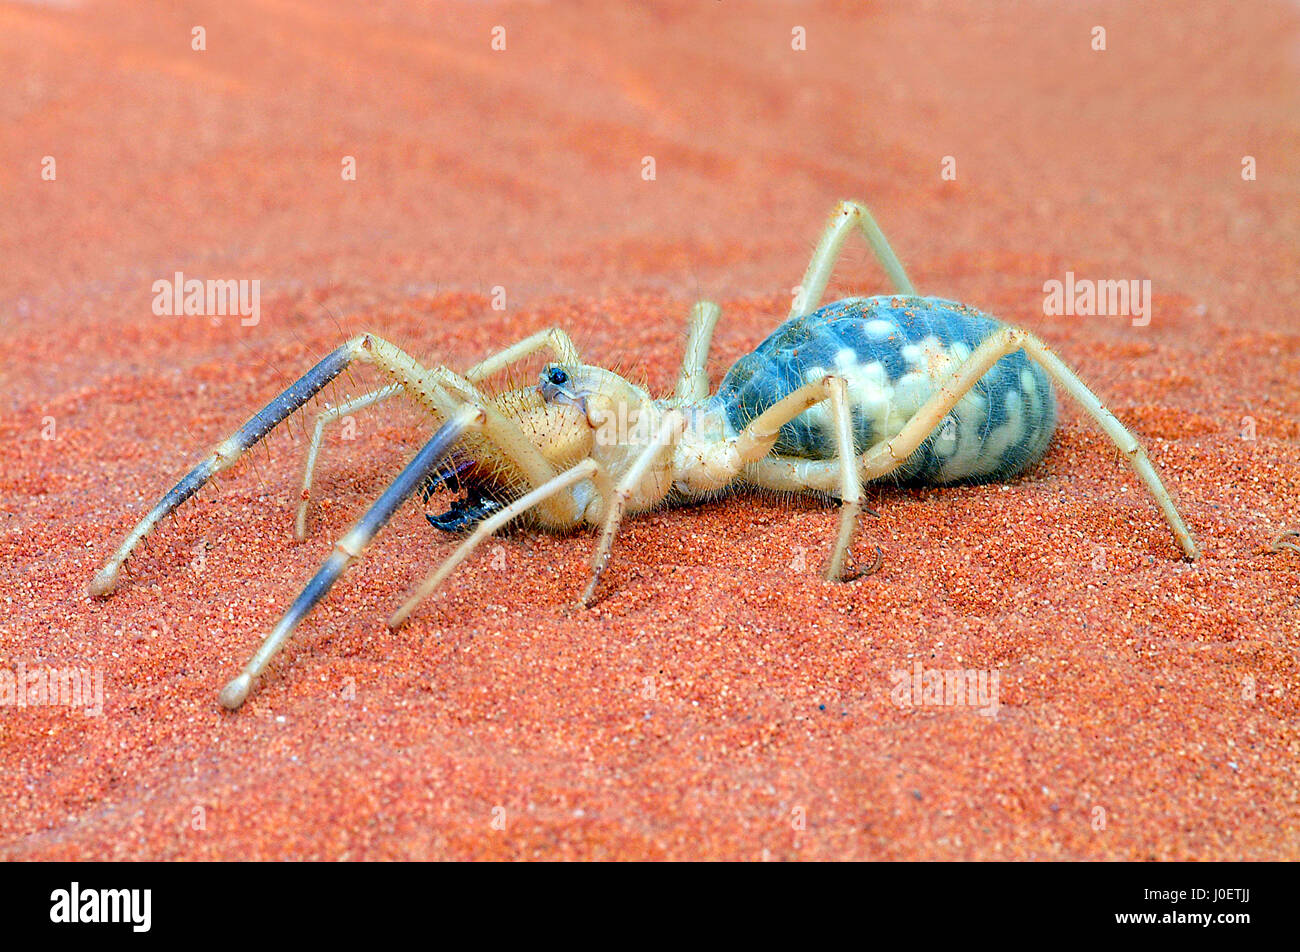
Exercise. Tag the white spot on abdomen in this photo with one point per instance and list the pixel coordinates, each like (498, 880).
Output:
(879, 329)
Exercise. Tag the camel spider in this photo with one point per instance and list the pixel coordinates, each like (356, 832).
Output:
(899, 386)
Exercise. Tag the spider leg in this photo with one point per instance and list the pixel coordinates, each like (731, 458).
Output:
(670, 427)
(887, 456)
(565, 481)
(350, 547)
(554, 509)
(553, 339)
(693, 381)
(396, 364)
(850, 483)
(330, 415)
(755, 441)
(845, 218)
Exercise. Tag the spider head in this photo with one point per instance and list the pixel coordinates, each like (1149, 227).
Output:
(563, 386)
(608, 402)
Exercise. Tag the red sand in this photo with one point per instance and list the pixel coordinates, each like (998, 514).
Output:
(713, 698)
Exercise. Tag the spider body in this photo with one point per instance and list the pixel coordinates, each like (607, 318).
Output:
(897, 387)
(895, 352)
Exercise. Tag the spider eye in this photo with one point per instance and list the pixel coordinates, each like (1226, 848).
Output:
(557, 377)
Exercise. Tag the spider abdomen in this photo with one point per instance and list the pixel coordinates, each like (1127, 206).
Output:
(894, 352)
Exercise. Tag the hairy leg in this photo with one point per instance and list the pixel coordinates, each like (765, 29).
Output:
(563, 483)
(693, 381)
(313, 451)
(552, 339)
(367, 348)
(755, 441)
(470, 418)
(845, 218)
(670, 427)
(350, 547)
(886, 456)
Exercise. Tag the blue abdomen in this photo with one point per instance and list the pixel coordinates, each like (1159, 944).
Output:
(894, 352)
